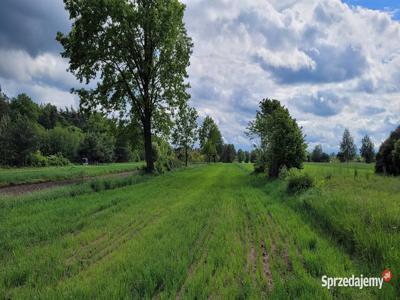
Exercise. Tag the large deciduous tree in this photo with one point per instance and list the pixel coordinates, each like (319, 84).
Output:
(184, 133)
(137, 51)
(281, 139)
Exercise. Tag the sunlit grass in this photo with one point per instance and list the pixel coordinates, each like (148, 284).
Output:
(10, 176)
(214, 231)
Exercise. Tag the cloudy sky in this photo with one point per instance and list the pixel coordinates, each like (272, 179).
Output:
(334, 64)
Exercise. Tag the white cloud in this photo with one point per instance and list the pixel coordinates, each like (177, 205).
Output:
(47, 67)
(339, 63)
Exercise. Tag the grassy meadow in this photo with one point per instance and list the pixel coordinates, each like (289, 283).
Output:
(206, 232)
(12, 176)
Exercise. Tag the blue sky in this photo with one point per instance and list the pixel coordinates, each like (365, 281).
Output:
(383, 5)
(335, 65)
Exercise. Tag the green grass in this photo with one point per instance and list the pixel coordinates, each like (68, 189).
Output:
(14, 176)
(204, 232)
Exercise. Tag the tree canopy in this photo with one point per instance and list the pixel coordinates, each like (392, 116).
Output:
(211, 141)
(281, 139)
(184, 133)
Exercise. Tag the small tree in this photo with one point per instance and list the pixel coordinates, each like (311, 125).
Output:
(18, 138)
(184, 134)
(367, 150)
(247, 157)
(210, 138)
(253, 156)
(240, 155)
(209, 151)
(347, 147)
(282, 140)
(316, 155)
(228, 153)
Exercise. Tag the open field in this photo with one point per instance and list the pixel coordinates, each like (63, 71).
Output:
(14, 176)
(212, 231)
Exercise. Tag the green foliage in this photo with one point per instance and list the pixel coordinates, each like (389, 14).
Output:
(246, 157)
(318, 155)
(282, 140)
(388, 157)
(241, 156)
(123, 154)
(37, 160)
(57, 160)
(211, 142)
(367, 150)
(48, 116)
(348, 149)
(97, 147)
(18, 138)
(228, 153)
(23, 106)
(253, 156)
(147, 74)
(184, 134)
(64, 140)
(164, 157)
(298, 183)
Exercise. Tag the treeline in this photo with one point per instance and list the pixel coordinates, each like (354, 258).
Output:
(387, 159)
(282, 145)
(42, 135)
(348, 151)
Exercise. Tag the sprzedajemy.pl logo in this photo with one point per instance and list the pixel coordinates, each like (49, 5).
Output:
(359, 282)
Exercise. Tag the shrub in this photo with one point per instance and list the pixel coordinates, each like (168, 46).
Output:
(283, 172)
(58, 160)
(36, 159)
(164, 157)
(299, 183)
(64, 140)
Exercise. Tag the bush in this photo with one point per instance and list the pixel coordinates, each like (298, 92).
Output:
(299, 183)
(283, 173)
(58, 160)
(64, 140)
(37, 160)
(164, 157)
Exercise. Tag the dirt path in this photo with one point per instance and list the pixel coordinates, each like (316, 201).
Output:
(21, 189)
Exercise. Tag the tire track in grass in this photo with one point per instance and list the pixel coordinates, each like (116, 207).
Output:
(202, 253)
(124, 235)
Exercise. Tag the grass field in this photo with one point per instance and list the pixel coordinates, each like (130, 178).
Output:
(33, 175)
(207, 232)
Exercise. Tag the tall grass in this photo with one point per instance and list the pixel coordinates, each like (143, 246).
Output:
(14, 176)
(206, 232)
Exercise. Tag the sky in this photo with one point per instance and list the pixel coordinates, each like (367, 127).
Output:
(334, 64)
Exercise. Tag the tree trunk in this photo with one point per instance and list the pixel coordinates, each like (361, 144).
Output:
(148, 148)
(186, 156)
(273, 171)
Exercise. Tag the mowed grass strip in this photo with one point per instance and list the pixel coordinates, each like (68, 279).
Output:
(209, 232)
(14, 176)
